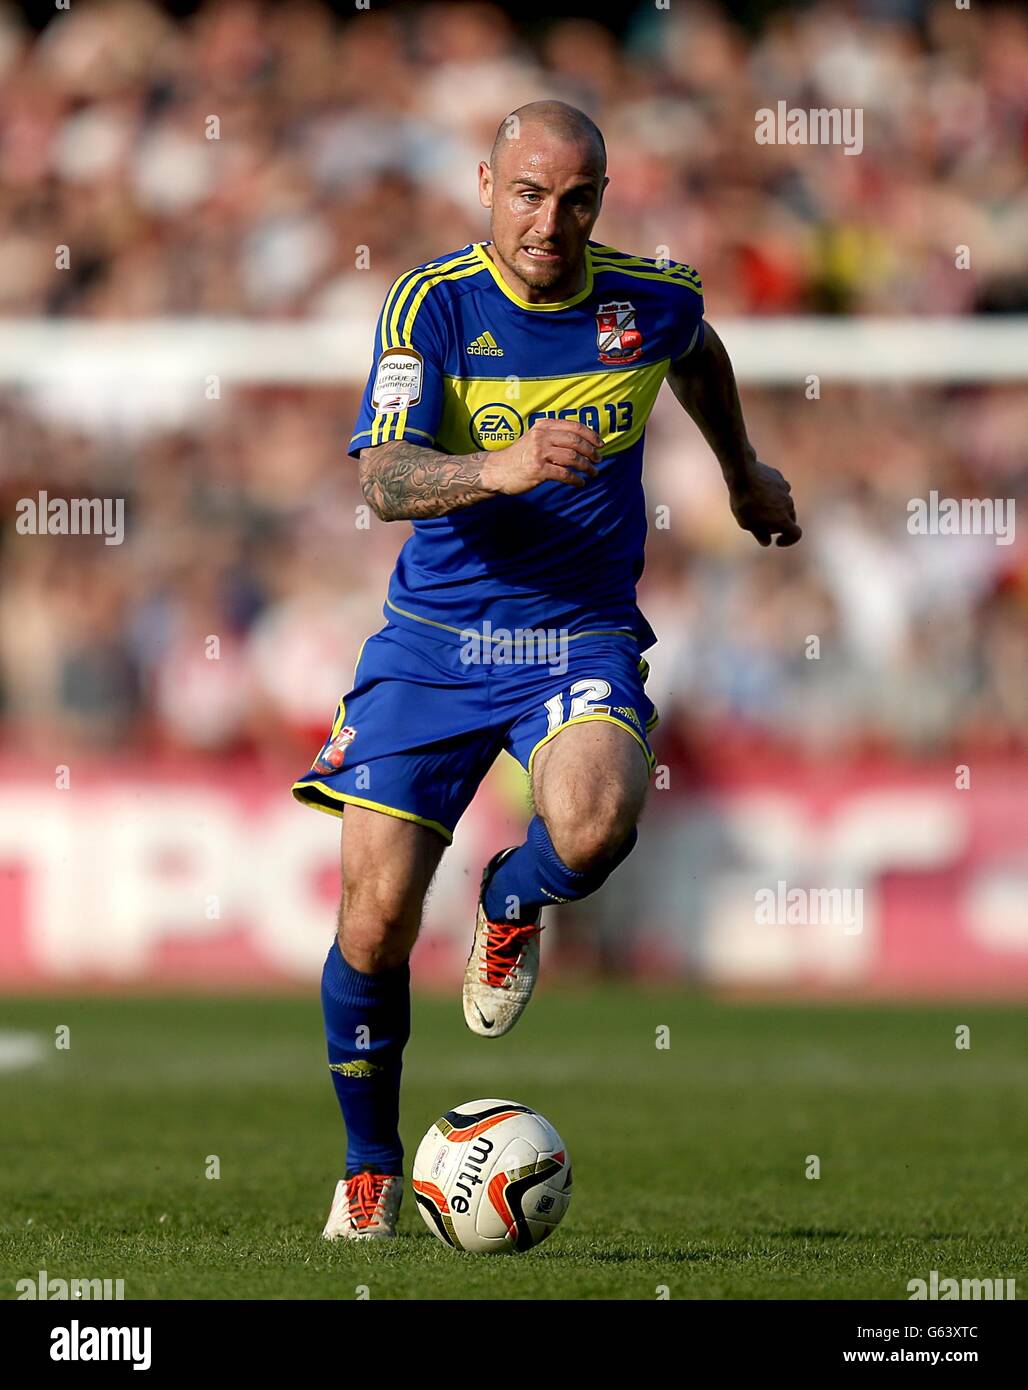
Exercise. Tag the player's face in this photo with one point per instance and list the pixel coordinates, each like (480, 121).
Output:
(544, 195)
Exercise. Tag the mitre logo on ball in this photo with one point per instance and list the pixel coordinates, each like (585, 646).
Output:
(493, 1177)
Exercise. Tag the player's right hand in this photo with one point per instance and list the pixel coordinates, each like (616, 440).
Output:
(560, 451)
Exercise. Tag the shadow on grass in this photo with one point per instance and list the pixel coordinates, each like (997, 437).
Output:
(618, 1256)
(826, 1233)
(408, 1243)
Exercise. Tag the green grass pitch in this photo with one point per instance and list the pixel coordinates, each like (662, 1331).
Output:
(690, 1162)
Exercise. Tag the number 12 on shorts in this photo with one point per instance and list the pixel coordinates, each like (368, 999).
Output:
(584, 700)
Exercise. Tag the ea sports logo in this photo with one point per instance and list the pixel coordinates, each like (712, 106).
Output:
(495, 426)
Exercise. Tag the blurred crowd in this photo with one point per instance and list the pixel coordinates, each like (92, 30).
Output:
(332, 134)
(250, 531)
(230, 619)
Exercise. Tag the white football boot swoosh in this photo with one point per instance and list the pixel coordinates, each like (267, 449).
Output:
(365, 1207)
(502, 968)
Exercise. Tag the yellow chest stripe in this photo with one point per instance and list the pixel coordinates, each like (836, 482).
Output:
(492, 413)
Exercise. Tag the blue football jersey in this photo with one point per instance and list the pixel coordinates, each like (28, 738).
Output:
(462, 364)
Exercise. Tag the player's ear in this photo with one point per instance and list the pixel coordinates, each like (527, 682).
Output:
(485, 184)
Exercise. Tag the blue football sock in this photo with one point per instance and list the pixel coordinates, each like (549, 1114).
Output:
(535, 875)
(367, 1024)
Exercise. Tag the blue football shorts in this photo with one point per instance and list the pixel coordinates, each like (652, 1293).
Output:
(428, 716)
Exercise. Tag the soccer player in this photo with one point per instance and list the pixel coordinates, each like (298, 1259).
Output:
(504, 416)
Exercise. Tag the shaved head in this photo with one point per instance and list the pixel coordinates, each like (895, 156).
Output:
(557, 119)
(543, 187)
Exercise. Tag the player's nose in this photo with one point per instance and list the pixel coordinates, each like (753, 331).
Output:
(545, 224)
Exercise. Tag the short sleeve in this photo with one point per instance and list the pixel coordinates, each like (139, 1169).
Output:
(689, 311)
(403, 398)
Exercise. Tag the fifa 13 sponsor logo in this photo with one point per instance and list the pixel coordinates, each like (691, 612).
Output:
(946, 1288)
(608, 419)
(498, 424)
(44, 515)
(469, 1176)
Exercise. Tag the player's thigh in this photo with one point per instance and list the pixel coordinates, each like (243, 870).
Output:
(589, 784)
(387, 867)
(412, 740)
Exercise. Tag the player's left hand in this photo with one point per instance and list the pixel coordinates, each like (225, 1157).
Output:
(761, 503)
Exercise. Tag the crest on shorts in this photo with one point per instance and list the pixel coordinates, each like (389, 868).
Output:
(330, 759)
(617, 337)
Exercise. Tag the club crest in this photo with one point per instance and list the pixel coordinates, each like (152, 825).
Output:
(618, 339)
(330, 759)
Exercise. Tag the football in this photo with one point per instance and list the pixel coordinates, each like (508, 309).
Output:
(492, 1176)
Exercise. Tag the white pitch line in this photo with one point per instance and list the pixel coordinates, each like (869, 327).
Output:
(20, 1050)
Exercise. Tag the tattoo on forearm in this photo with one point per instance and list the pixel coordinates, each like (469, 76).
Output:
(403, 481)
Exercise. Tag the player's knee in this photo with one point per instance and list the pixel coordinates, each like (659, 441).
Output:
(376, 929)
(588, 838)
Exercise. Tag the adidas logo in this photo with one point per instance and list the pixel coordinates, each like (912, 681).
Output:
(361, 1067)
(485, 345)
